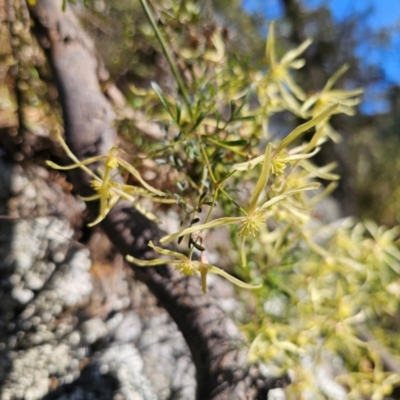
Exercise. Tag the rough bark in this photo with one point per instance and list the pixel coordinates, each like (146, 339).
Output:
(216, 345)
(74, 326)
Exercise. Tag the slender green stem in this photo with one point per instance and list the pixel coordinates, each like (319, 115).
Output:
(191, 253)
(203, 179)
(221, 144)
(153, 154)
(167, 54)
(229, 197)
(207, 162)
(212, 206)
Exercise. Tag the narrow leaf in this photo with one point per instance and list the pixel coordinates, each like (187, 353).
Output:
(162, 98)
(198, 120)
(178, 112)
(246, 118)
(233, 109)
(234, 143)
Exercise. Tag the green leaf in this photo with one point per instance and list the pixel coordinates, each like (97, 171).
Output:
(162, 98)
(246, 99)
(198, 120)
(234, 143)
(233, 110)
(196, 245)
(246, 118)
(178, 112)
(217, 117)
(203, 195)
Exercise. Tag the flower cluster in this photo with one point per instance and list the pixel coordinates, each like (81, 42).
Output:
(108, 191)
(189, 267)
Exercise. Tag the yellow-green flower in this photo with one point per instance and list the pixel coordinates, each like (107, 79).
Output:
(256, 215)
(346, 99)
(188, 267)
(281, 157)
(280, 71)
(108, 192)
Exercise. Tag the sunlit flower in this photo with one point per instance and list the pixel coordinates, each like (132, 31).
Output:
(280, 71)
(108, 192)
(281, 157)
(381, 245)
(346, 99)
(272, 162)
(189, 267)
(257, 213)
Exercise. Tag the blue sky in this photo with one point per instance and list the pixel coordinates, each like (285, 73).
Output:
(385, 15)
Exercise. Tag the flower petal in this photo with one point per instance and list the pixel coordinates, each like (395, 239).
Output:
(270, 47)
(309, 102)
(105, 207)
(276, 199)
(195, 228)
(333, 79)
(167, 252)
(262, 180)
(292, 54)
(146, 263)
(306, 126)
(230, 278)
(294, 88)
(289, 100)
(321, 172)
(300, 156)
(136, 174)
(245, 166)
(76, 165)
